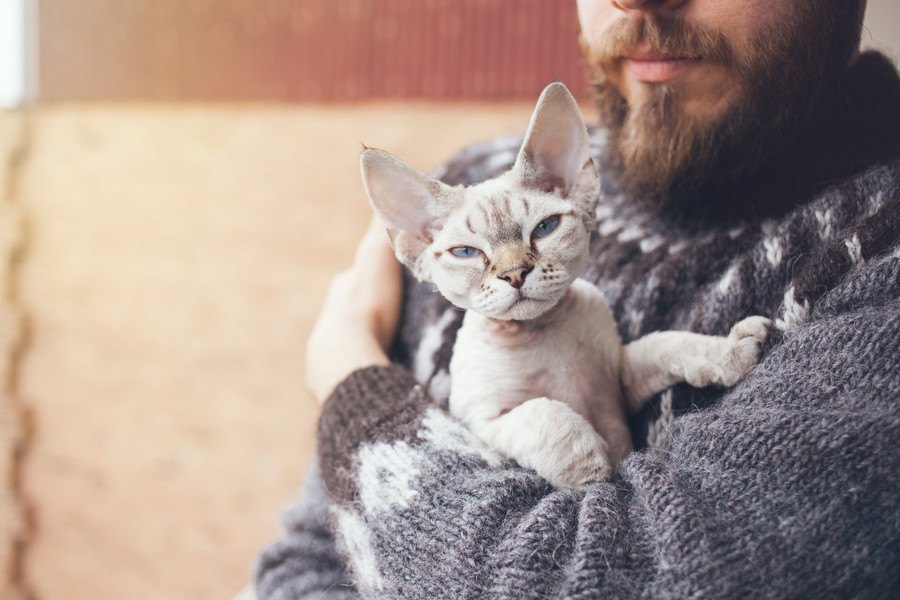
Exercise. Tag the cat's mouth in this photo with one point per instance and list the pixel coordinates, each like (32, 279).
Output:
(524, 307)
(522, 304)
(521, 297)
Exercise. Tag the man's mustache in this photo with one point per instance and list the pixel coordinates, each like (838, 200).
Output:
(659, 34)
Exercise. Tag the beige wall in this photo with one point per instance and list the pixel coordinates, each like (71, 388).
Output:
(882, 28)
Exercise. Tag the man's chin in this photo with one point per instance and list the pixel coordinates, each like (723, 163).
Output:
(658, 144)
(684, 142)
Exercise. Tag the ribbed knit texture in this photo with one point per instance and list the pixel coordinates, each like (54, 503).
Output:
(785, 486)
(395, 413)
(315, 565)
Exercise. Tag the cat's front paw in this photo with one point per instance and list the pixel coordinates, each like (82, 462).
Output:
(592, 468)
(548, 436)
(733, 358)
(751, 329)
(576, 455)
(744, 344)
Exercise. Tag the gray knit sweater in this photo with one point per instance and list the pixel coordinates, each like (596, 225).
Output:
(785, 486)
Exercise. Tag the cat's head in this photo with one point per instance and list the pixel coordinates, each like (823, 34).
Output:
(507, 248)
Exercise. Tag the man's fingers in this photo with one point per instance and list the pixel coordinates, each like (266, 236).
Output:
(359, 317)
(377, 274)
(373, 285)
(374, 247)
(375, 266)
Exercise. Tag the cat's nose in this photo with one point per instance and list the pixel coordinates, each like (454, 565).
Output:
(516, 277)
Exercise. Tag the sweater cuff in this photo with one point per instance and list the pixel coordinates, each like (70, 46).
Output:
(374, 404)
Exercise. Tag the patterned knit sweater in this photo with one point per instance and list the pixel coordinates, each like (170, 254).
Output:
(785, 486)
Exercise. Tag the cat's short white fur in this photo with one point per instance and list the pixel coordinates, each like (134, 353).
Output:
(538, 370)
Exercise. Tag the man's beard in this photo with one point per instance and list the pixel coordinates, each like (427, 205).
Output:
(670, 157)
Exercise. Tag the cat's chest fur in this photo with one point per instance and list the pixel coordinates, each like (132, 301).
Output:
(571, 354)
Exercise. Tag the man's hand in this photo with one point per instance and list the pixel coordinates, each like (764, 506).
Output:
(358, 319)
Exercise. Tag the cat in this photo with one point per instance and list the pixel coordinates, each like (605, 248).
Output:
(538, 370)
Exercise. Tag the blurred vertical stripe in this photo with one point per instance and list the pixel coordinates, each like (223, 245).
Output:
(305, 49)
(12, 53)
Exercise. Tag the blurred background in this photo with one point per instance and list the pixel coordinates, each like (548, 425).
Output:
(178, 182)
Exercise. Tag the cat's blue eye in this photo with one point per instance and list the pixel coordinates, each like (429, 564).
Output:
(546, 227)
(465, 251)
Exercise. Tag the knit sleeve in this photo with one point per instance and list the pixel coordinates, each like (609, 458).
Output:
(305, 562)
(788, 487)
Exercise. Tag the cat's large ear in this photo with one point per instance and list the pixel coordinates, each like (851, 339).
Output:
(411, 204)
(555, 154)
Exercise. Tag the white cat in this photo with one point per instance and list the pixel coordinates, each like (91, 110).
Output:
(538, 370)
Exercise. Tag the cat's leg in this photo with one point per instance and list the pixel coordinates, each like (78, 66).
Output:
(548, 436)
(659, 360)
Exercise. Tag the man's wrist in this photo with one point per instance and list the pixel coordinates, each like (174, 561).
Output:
(323, 383)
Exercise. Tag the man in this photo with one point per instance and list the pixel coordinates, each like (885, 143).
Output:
(749, 158)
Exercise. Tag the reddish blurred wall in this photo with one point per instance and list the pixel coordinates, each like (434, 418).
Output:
(305, 49)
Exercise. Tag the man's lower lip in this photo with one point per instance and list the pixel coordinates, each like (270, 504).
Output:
(656, 71)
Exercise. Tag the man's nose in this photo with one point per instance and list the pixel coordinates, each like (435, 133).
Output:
(516, 277)
(647, 5)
